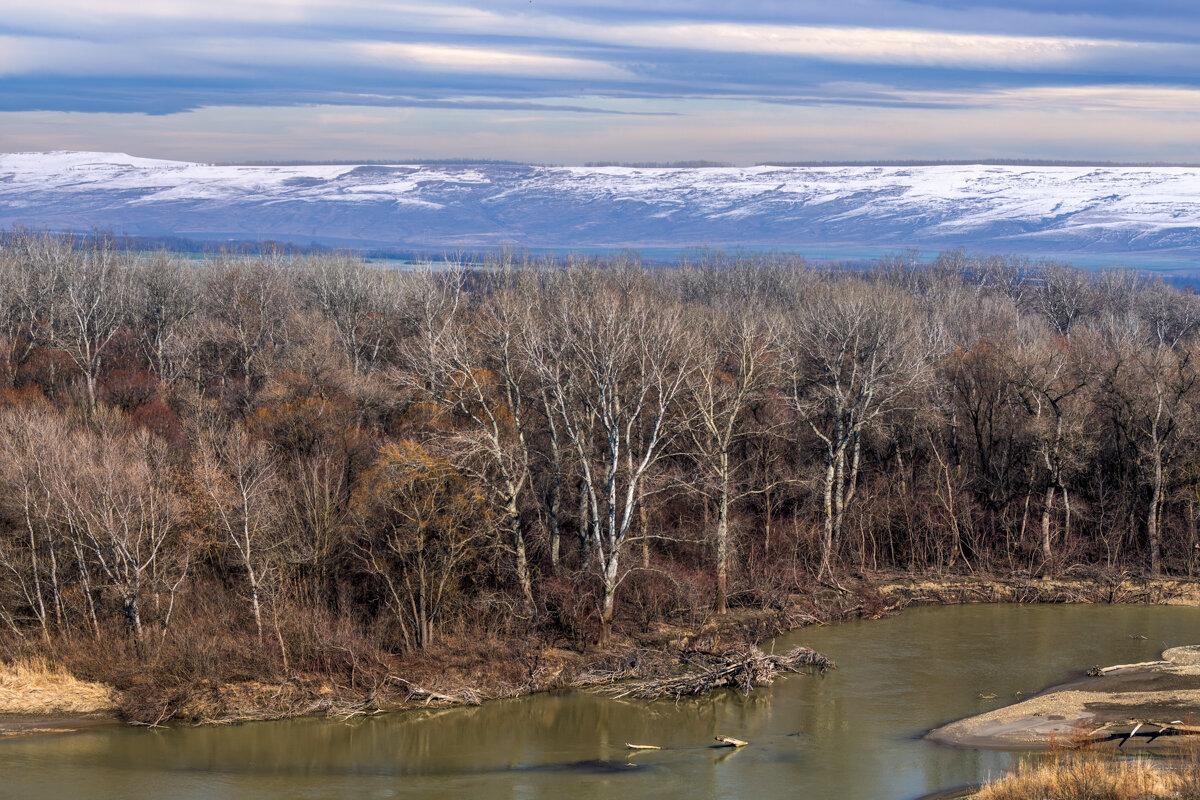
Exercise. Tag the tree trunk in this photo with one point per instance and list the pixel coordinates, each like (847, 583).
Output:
(585, 540)
(723, 550)
(1047, 552)
(827, 538)
(1066, 512)
(133, 617)
(610, 594)
(555, 494)
(1193, 542)
(254, 606)
(767, 509)
(1152, 518)
(645, 536)
(37, 581)
(522, 561)
(555, 504)
(87, 591)
(839, 494)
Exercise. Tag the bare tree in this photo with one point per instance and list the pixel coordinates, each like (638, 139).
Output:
(32, 279)
(30, 441)
(119, 506)
(362, 303)
(612, 359)
(248, 303)
(1149, 389)
(95, 296)
(855, 353)
(731, 368)
(1052, 376)
(165, 302)
(317, 503)
(468, 358)
(240, 483)
(1064, 296)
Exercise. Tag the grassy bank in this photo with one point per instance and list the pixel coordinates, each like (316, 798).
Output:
(32, 687)
(1084, 777)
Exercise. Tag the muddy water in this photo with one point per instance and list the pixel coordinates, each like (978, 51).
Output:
(851, 735)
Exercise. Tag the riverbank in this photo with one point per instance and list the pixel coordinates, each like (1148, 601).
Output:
(1142, 706)
(480, 671)
(854, 734)
(38, 699)
(1085, 777)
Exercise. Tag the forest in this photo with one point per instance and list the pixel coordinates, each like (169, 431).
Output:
(260, 466)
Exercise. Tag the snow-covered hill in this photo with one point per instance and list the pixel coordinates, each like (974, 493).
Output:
(1000, 208)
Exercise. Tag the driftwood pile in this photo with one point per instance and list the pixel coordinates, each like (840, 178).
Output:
(740, 669)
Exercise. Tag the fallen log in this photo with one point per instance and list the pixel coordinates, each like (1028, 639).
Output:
(415, 692)
(1172, 728)
(642, 746)
(729, 741)
(741, 669)
(1140, 664)
(1130, 735)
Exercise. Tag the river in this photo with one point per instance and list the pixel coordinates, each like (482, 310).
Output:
(854, 734)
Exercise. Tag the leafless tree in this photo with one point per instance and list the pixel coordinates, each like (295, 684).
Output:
(732, 366)
(1150, 390)
(1052, 373)
(1063, 297)
(118, 504)
(248, 302)
(613, 361)
(240, 483)
(469, 359)
(164, 304)
(317, 503)
(95, 295)
(855, 352)
(30, 441)
(361, 301)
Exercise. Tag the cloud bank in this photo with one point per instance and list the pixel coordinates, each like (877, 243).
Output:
(71, 68)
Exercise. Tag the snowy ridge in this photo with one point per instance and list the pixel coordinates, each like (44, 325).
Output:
(1003, 208)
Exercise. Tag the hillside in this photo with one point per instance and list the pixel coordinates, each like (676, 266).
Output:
(998, 208)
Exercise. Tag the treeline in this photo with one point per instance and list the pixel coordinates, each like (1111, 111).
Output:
(281, 462)
(660, 164)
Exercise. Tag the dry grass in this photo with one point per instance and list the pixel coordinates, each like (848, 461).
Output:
(1097, 778)
(30, 686)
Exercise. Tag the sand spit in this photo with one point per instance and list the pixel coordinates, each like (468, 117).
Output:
(1145, 705)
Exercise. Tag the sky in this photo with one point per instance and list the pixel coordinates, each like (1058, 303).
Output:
(551, 81)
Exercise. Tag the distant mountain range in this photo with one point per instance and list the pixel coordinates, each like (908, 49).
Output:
(998, 208)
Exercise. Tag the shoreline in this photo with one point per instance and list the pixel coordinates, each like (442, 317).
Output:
(1144, 706)
(870, 596)
(20, 726)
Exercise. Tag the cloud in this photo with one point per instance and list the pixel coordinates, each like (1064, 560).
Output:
(880, 46)
(222, 56)
(731, 74)
(932, 43)
(1086, 99)
(566, 42)
(1098, 98)
(446, 58)
(701, 131)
